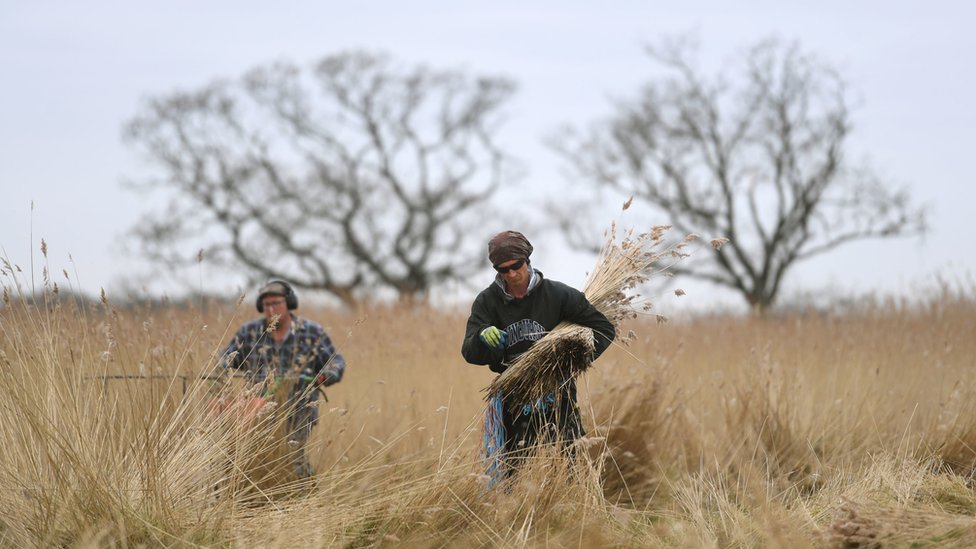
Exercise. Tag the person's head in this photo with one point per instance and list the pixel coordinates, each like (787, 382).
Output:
(509, 253)
(276, 298)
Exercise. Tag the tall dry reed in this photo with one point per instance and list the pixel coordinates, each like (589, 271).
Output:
(808, 430)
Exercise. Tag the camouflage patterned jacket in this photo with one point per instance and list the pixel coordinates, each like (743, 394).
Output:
(306, 351)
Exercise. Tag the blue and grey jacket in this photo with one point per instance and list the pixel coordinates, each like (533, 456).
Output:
(305, 352)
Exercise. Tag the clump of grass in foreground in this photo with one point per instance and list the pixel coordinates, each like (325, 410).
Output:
(79, 458)
(549, 503)
(91, 456)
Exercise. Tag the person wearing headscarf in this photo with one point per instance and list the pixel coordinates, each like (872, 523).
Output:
(507, 318)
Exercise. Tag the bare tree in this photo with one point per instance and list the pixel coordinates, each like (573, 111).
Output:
(759, 160)
(350, 176)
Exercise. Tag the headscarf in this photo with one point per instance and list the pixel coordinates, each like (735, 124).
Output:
(508, 245)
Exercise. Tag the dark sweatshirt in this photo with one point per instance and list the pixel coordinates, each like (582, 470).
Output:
(526, 320)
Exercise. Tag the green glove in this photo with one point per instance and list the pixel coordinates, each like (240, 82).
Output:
(493, 337)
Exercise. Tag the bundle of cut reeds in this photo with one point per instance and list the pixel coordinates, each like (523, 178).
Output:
(566, 351)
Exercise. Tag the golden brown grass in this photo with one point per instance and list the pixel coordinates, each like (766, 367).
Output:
(809, 430)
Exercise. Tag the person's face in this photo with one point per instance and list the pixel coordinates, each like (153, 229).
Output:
(515, 272)
(274, 305)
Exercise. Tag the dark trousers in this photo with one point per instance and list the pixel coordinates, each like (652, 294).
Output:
(300, 422)
(551, 420)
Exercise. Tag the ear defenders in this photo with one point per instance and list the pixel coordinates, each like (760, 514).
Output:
(276, 287)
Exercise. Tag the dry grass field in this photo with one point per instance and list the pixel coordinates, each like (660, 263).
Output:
(813, 430)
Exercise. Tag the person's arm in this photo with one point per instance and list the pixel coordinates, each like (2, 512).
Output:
(580, 311)
(331, 364)
(473, 349)
(235, 353)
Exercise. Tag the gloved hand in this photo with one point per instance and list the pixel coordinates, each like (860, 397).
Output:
(317, 379)
(493, 337)
(322, 379)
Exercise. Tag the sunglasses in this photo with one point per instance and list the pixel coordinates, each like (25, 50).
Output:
(513, 267)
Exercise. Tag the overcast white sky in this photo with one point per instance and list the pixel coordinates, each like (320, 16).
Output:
(73, 72)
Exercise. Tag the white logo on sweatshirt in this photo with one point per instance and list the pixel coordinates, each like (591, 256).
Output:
(524, 330)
